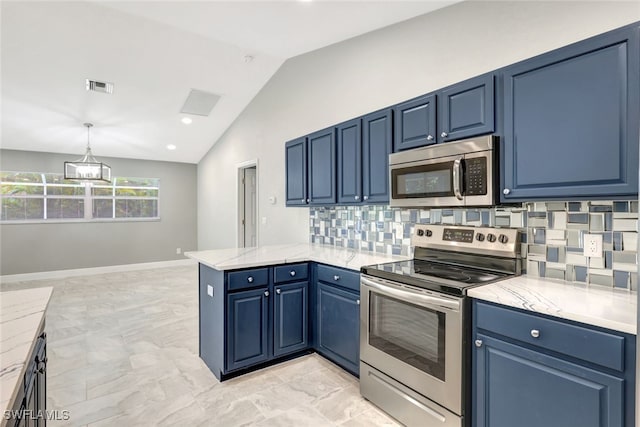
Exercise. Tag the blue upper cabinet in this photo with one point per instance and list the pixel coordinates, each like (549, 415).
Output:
(322, 167)
(467, 109)
(376, 147)
(349, 146)
(296, 172)
(415, 123)
(571, 121)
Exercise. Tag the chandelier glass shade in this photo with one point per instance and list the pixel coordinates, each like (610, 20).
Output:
(88, 168)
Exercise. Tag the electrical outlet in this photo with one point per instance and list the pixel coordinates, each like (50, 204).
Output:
(178, 251)
(592, 245)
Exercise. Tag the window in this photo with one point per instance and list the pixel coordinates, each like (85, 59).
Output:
(38, 197)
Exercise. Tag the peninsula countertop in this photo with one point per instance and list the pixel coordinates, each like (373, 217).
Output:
(235, 258)
(22, 315)
(609, 308)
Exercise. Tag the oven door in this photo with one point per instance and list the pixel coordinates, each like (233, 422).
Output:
(429, 182)
(414, 336)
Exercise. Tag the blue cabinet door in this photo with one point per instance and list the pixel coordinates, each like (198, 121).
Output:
(516, 386)
(290, 320)
(377, 145)
(571, 121)
(338, 326)
(322, 167)
(296, 172)
(466, 109)
(247, 328)
(349, 147)
(415, 123)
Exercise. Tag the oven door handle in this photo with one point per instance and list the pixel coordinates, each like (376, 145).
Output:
(412, 296)
(457, 178)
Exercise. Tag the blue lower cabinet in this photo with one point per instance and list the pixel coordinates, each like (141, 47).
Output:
(525, 375)
(291, 320)
(247, 328)
(520, 387)
(338, 325)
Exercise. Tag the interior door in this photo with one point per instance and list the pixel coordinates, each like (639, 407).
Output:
(249, 207)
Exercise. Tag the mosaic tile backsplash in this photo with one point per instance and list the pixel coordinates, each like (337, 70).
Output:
(551, 234)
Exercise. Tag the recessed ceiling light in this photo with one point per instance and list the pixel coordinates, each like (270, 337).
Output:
(187, 120)
(171, 147)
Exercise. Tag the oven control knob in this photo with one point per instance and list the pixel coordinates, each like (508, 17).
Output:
(420, 232)
(429, 233)
(480, 237)
(503, 238)
(491, 237)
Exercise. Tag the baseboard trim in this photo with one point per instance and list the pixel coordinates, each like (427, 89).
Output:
(61, 274)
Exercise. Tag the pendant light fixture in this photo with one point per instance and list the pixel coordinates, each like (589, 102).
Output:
(87, 168)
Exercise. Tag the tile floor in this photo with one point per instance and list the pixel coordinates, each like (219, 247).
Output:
(123, 351)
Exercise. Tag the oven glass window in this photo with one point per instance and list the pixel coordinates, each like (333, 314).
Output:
(408, 332)
(423, 181)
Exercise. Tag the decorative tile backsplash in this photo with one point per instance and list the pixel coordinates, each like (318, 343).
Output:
(551, 234)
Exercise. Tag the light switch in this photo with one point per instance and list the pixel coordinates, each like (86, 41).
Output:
(264, 220)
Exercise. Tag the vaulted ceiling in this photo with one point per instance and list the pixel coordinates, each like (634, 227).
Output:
(155, 53)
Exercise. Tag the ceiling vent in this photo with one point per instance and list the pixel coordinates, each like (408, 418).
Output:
(199, 103)
(96, 86)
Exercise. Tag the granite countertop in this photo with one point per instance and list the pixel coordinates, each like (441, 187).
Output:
(230, 259)
(614, 309)
(21, 317)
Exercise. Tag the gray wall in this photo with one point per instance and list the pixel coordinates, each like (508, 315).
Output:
(363, 74)
(29, 248)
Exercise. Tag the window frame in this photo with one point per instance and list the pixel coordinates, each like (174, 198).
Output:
(87, 197)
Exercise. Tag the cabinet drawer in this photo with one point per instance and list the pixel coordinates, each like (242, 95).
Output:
(288, 273)
(338, 276)
(601, 348)
(245, 279)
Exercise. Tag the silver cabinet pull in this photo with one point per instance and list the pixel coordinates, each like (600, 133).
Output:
(357, 197)
(336, 277)
(429, 137)
(444, 134)
(266, 293)
(292, 273)
(308, 200)
(478, 343)
(278, 291)
(250, 279)
(535, 333)
(357, 302)
(366, 197)
(303, 200)
(506, 191)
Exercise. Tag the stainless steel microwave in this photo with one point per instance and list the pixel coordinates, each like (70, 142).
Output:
(451, 174)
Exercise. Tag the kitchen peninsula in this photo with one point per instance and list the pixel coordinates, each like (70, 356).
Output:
(260, 305)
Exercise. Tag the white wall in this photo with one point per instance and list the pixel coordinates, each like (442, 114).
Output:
(361, 75)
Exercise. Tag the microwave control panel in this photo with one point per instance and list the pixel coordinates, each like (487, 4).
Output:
(476, 176)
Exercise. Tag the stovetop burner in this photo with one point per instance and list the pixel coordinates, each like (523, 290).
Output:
(451, 260)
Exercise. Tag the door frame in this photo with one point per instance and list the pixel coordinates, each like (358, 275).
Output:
(240, 167)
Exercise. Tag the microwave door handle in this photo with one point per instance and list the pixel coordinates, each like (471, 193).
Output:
(457, 177)
(411, 296)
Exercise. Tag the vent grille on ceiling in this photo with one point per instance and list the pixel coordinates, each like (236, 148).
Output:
(199, 103)
(96, 86)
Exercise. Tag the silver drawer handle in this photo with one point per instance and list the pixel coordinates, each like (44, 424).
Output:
(336, 277)
(478, 343)
(357, 302)
(292, 273)
(278, 291)
(266, 293)
(250, 279)
(535, 333)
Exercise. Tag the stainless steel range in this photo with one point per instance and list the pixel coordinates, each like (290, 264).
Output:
(415, 323)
